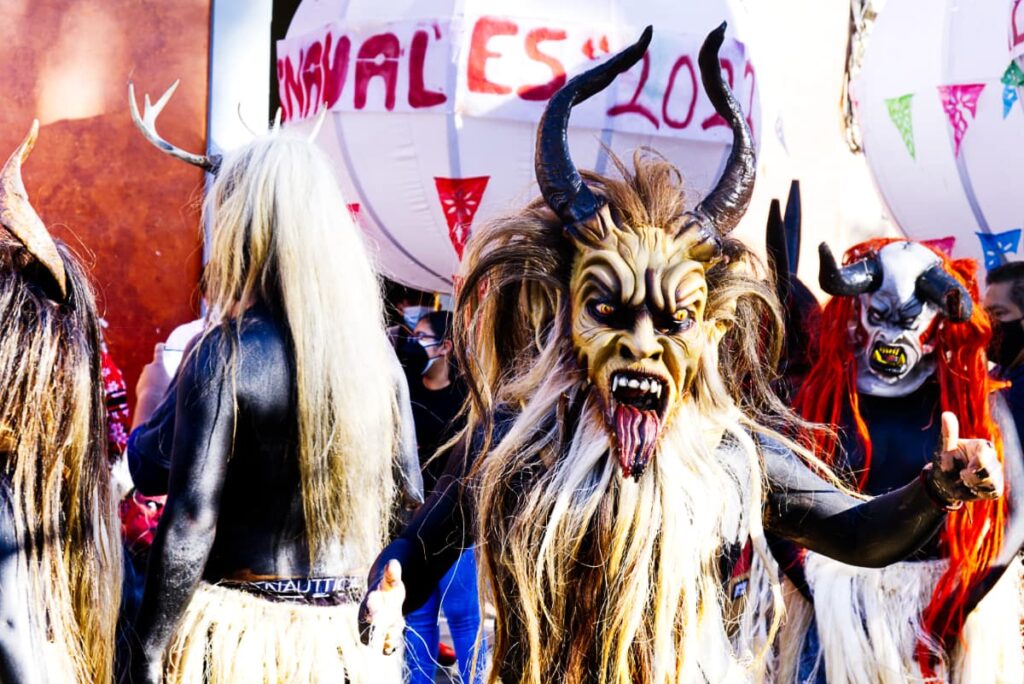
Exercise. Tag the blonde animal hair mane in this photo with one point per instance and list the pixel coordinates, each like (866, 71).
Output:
(282, 237)
(57, 469)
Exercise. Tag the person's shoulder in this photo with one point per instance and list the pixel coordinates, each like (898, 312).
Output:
(257, 342)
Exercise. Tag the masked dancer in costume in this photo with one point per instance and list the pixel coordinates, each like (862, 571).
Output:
(60, 567)
(285, 433)
(902, 340)
(624, 435)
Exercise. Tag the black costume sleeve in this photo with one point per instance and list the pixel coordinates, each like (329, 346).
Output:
(203, 431)
(149, 447)
(803, 508)
(435, 537)
(443, 526)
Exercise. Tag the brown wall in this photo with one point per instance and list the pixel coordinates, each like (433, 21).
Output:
(130, 211)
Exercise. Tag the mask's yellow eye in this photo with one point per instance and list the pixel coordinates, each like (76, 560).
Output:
(681, 315)
(604, 309)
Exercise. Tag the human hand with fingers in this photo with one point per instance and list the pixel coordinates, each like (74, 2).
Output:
(381, 622)
(963, 469)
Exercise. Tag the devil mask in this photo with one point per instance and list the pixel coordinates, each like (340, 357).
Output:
(903, 294)
(638, 292)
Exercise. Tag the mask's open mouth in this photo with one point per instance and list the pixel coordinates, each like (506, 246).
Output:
(888, 359)
(638, 408)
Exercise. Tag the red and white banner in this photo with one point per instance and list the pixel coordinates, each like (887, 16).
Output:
(503, 68)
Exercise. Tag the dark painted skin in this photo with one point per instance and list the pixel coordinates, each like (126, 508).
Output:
(904, 436)
(234, 506)
(231, 513)
(18, 659)
(799, 506)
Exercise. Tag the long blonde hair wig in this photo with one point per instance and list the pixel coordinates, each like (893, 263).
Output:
(281, 235)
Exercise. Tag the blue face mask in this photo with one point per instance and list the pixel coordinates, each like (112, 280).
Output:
(430, 362)
(412, 315)
(427, 345)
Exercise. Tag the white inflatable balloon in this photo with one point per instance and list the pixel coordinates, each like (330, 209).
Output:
(433, 106)
(939, 104)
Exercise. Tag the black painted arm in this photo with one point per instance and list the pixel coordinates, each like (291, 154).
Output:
(203, 432)
(18, 663)
(803, 508)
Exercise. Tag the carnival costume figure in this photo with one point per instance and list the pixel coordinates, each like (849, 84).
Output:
(60, 566)
(622, 438)
(902, 340)
(286, 428)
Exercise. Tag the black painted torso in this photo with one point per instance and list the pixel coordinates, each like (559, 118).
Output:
(260, 525)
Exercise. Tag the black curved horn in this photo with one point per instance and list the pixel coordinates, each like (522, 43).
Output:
(859, 277)
(946, 292)
(560, 183)
(725, 205)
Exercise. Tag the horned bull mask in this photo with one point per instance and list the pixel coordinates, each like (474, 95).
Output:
(903, 294)
(639, 292)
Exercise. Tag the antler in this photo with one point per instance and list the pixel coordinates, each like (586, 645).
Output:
(147, 124)
(18, 216)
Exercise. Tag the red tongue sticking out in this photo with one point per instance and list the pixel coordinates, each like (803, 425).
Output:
(637, 433)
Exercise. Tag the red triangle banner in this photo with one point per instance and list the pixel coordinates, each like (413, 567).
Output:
(460, 199)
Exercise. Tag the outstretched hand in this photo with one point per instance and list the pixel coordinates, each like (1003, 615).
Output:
(964, 469)
(380, 615)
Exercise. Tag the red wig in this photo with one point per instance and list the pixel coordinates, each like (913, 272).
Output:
(972, 535)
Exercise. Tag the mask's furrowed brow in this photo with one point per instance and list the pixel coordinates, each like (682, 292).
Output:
(912, 308)
(609, 275)
(683, 286)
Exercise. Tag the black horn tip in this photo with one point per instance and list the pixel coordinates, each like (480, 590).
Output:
(958, 306)
(645, 37)
(712, 44)
(857, 278)
(825, 254)
(828, 270)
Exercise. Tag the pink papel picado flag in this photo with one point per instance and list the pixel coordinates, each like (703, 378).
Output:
(958, 101)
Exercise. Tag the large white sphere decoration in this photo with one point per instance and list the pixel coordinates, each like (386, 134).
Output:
(952, 52)
(434, 105)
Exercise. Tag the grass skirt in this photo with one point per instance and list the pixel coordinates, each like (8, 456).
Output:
(228, 636)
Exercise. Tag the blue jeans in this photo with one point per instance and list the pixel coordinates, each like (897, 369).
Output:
(457, 596)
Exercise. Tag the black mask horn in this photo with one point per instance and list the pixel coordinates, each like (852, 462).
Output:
(859, 277)
(561, 184)
(946, 292)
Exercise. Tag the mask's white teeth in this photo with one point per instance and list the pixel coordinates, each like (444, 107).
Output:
(645, 385)
(615, 383)
(633, 384)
